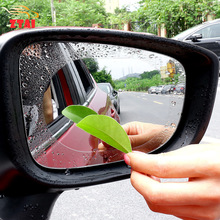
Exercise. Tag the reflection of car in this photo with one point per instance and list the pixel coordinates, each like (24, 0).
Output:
(180, 88)
(113, 94)
(152, 90)
(159, 89)
(206, 35)
(72, 84)
(167, 89)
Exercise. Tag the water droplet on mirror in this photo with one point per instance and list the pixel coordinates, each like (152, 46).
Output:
(109, 158)
(42, 77)
(67, 172)
(173, 103)
(173, 125)
(24, 85)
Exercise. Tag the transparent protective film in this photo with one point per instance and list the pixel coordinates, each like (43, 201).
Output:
(141, 90)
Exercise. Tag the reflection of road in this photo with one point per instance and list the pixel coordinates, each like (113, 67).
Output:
(158, 109)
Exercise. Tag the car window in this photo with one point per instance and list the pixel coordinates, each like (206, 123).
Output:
(84, 76)
(166, 87)
(188, 31)
(104, 87)
(62, 92)
(210, 31)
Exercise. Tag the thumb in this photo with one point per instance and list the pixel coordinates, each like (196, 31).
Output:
(164, 165)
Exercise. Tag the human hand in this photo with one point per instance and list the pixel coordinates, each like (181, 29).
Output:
(144, 137)
(140, 134)
(199, 198)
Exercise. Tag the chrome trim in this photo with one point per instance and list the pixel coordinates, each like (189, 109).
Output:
(51, 140)
(91, 96)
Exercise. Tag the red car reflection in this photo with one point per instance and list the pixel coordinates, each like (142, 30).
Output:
(62, 144)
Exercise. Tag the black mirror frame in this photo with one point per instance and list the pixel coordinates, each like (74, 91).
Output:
(201, 68)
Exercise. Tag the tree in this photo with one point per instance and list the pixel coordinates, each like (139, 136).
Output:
(68, 12)
(100, 76)
(149, 75)
(119, 18)
(91, 64)
(80, 13)
(5, 16)
(103, 77)
(41, 7)
(176, 15)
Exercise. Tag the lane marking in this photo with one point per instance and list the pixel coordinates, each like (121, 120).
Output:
(160, 103)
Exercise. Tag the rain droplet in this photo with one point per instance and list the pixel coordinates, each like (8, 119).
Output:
(173, 125)
(67, 172)
(173, 103)
(42, 77)
(24, 85)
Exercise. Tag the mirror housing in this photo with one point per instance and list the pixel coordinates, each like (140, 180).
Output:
(114, 93)
(195, 37)
(18, 169)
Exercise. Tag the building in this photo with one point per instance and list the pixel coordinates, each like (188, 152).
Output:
(163, 72)
(111, 5)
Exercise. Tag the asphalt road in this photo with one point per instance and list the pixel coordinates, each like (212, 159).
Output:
(151, 108)
(118, 200)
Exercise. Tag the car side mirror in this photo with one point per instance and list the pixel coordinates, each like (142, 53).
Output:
(25, 134)
(114, 93)
(195, 37)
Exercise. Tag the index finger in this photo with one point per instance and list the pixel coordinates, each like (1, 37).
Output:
(186, 162)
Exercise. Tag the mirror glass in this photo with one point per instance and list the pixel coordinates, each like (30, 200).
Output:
(127, 84)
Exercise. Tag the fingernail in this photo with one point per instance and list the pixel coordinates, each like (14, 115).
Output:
(127, 159)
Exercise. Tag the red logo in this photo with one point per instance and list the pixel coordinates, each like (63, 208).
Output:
(21, 23)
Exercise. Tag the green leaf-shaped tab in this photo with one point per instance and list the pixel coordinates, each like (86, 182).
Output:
(77, 112)
(108, 130)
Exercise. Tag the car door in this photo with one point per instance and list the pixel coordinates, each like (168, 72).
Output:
(210, 38)
(70, 146)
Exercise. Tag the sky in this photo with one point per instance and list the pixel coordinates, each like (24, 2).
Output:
(132, 4)
(120, 67)
(123, 67)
